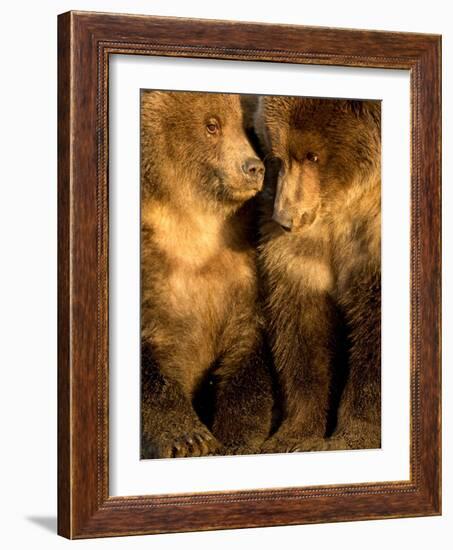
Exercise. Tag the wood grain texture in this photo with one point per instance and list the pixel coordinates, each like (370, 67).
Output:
(85, 42)
(64, 367)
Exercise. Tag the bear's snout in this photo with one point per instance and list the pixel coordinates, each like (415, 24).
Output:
(253, 167)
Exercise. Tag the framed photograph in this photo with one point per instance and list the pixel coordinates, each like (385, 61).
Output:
(249, 275)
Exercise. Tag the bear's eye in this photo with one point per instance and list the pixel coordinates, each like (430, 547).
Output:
(312, 157)
(212, 127)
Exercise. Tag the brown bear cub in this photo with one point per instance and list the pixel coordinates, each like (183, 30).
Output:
(320, 257)
(201, 321)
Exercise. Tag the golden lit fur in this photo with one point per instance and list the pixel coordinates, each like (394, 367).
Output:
(201, 321)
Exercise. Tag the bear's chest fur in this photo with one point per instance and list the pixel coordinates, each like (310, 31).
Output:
(195, 284)
(210, 287)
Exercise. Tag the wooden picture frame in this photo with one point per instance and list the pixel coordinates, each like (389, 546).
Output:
(85, 42)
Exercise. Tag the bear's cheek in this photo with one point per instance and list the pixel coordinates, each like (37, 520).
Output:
(310, 183)
(306, 194)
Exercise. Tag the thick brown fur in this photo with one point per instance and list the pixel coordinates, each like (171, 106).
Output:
(320, 258)
(201, 322)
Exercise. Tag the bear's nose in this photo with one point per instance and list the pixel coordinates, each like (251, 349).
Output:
(284, 221)
(253, 167)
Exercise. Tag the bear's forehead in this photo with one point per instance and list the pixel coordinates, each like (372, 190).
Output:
(312, 134)
(296, 110)
(315, 112)
(307, 117)
(206, 101)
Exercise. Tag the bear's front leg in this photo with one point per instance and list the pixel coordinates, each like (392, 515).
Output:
(303, 342)
(359, 416)
(170, 426)
(244, 400)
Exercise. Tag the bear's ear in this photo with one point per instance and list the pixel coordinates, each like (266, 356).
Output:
(356, 106)
(366, 108)
(373, 109)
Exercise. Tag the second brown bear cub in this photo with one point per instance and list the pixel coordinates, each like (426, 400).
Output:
(320, 256)
(200, 314)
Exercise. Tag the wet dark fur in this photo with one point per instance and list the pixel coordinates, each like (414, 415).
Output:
(206, 386)
(322, 278)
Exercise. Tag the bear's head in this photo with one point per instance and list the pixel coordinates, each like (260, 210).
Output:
(317, 150)
(194, 146)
